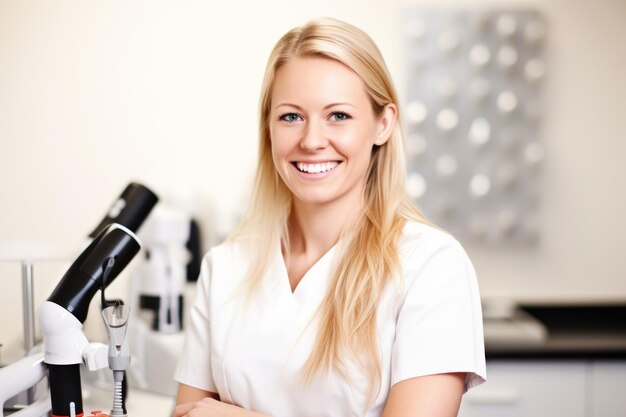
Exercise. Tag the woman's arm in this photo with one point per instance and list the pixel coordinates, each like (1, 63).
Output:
(188, 394)
(206, 404)
(432, 395)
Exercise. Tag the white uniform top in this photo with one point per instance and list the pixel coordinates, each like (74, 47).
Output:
(430, 323)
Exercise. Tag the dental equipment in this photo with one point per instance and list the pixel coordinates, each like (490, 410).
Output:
(62, 315)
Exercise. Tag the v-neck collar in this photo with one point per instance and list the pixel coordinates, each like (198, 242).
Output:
(324, 261)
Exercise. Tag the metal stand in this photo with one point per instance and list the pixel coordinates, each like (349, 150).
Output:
(28, 314)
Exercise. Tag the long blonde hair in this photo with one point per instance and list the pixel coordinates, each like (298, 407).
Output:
(347, 327)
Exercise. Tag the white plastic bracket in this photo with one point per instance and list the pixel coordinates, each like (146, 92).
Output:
(95, 356)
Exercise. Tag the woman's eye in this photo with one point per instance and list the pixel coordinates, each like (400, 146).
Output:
(290, 117)
(338, 116)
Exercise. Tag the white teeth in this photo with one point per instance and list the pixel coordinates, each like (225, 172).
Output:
(316, 168)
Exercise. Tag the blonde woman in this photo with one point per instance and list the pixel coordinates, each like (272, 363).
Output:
(335, 296)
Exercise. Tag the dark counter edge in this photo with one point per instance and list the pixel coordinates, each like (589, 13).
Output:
(555, 355)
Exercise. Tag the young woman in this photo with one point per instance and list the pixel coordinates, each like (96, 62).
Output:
(335, 296)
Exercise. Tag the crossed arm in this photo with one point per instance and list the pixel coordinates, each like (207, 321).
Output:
(426, 396)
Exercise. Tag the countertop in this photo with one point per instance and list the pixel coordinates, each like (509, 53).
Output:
(578, 331)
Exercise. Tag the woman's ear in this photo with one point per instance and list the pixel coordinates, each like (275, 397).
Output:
(386, 123)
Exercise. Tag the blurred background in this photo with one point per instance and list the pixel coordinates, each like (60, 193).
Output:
(94, 95)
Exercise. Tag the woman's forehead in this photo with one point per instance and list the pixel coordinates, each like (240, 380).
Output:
(317, 80)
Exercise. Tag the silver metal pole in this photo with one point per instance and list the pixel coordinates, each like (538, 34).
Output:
(28, 308)
(28, 302)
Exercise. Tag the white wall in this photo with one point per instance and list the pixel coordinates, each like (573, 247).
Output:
(96, 94)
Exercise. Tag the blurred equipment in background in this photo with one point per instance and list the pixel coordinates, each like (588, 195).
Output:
(171, 257)
(194, 247)
(473, 120)
(159, 280)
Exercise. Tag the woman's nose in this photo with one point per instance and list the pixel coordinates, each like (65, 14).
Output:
(313, 137)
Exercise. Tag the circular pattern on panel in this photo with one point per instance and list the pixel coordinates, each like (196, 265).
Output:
(473, 114)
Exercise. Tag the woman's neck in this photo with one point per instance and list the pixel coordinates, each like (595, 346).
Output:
(314, 229)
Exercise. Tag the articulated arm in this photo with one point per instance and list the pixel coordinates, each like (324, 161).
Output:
(112, 249)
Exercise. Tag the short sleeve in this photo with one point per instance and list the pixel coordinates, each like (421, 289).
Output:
(439, 325)
(194, 365)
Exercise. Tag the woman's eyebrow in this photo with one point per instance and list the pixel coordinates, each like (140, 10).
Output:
(339, 104)
(288, 105)
(325, 107)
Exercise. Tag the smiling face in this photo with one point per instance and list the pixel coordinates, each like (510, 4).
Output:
(322, 130)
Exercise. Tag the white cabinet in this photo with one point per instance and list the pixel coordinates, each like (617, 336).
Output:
(607, 389)
(528, 389)
(534, 388)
